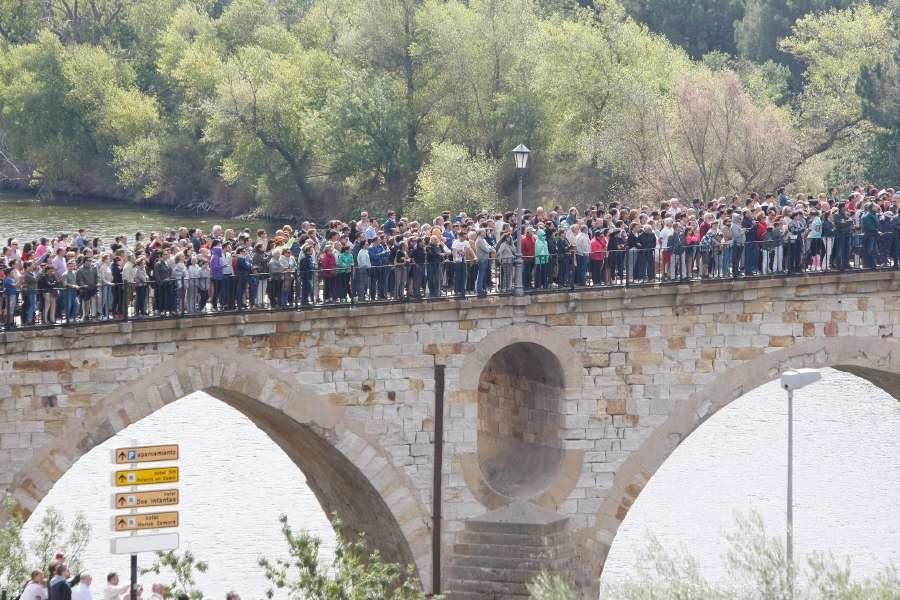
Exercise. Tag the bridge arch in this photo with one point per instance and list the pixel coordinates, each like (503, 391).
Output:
(350, 473)
(876, 359)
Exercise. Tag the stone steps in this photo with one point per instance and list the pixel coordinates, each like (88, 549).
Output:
(521, 552)
(497, 554)
(506, 562)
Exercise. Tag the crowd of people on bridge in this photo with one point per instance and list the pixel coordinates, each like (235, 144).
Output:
(66, 278)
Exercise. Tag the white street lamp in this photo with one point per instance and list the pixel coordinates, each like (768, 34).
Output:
(793, 379)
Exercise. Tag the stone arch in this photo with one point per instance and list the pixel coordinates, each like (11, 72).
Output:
(351, 475)
(515, 360)
(872, 358)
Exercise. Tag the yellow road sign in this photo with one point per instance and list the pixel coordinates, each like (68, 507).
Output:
(160, 520)
(145, 476)
(141, 454)
(145, 499)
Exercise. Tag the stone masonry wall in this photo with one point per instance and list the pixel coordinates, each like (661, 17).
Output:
(640, 370)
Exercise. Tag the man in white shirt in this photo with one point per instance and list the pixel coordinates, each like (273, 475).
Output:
(459, 249)
(36, 588)
(82, 591)
(113, 590)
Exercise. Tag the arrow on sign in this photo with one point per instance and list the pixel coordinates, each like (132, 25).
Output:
(121, 523)
(122, 478)
(121, 501)
(122, 456)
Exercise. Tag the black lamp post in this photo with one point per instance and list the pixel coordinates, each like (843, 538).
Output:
(520, 153)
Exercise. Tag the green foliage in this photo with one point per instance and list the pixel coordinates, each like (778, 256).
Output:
(184, 569)
(53, 534)
(18, 557)
(757, 567)
(453, 177)
(286, 105)
(13, 561)
(549, 587)
(356, 573)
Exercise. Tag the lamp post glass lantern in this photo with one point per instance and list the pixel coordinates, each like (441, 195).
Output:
(520, 153)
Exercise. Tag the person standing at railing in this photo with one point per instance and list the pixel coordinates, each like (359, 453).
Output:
(87, 280)
(843, 231)
(528, 249)
(378, 258)
(215, 270)
(458, 253)
(751, 243)
(192, 276)
(709, 246)
(828, 238)
(506, 256)
(245, 282)
(328, 270)
(662, 236)
(48, 284)
(739, 238)
(541, 259)
(564, 254)
(484, 251)
(814, 236)
(417, 260)
(70, 293)
(29, 287)
(275, 280)
(598, 257)
(162, 277)
(869, 223)
(120, 292)
(288, 268)
(582, 243)
(105, 279)
(796, 230)
(647, 250)
(434, 255)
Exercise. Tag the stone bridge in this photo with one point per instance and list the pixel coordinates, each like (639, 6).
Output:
(556, 409)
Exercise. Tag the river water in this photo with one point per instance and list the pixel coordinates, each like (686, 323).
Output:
(26, 219)
(236, 481)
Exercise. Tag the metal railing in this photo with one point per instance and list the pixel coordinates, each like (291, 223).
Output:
(56, 305)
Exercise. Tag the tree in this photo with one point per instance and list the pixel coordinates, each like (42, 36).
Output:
(454, 177)
(834, 46)
(67, 110)
(707, 140)
(878, 87)
(481, 50)
(698, 26)
(757, 567)
(357, 573)
(53, 534)
(265, 122)
(184, 569)
(766, 22)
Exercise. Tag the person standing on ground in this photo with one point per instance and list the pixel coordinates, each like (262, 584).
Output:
(113, 590)
(36, 588)
(82, 591)
(59, 586)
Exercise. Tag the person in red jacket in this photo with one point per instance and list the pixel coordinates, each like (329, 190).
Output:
(599, 245)
(329, 273)
(528, 243)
